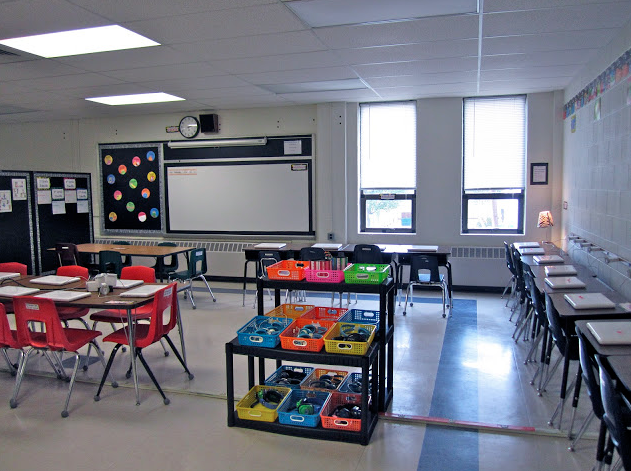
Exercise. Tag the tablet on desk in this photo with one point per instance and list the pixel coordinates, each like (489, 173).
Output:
(12, 291)
(611, 333)
(560, 282)
(589, 301)
(63, 295)
(142, 291)
(6, 275)
(55, 280)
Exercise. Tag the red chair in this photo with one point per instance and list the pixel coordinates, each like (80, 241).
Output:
(148, 334)
(14, 267)
(54, 338)
(69, 313)
(8, 339)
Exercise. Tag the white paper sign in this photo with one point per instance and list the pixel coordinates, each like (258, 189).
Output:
(293, 147)
(82, 206)
(58, 193)
(82, 194)
(59, 207)
(44, 197)
(43, 183)
(18, 185)
(70, 183)
(71, 196)
(5, 201)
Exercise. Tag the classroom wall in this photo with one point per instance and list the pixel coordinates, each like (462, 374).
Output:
(72, 146)
(597, 163)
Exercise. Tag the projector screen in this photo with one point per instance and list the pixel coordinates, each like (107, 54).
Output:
(246, 197)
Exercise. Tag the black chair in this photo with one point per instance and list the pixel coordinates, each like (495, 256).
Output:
(567, 344)
(110, 261)
(197, 268)
(520, 285)
(588, 374)
(367, 253)
(265, 259)
(424, 272)
(617, 416)
(126, 258)
(169, 264)
(311, 254)
(67, 253)
(511, 268)
(526, 313)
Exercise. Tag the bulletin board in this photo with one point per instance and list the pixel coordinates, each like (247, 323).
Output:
(130, 177)
(16, 219)
(63, 213)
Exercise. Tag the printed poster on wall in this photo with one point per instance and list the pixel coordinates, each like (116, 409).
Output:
(130, 179)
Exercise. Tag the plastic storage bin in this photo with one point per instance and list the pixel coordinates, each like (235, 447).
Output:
(333, 378)
(289, 339)
(293, 270)
(324, 276)
(263, 331)
(348, 347)
(364, 273)
(325, 313)
(249, 408)
(352, 384)
(293, 311)
(290, 415)
(289, 376)
(361, 316)
(352, 423)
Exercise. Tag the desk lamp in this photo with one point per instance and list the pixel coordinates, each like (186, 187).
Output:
(545, 220)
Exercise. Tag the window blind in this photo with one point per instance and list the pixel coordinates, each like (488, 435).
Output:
(494, 143)
(387, 149)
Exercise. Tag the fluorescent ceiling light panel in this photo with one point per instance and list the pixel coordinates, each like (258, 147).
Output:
(322, 86)
(80, 41)
(217, 143)
(318, 13)
(135, 99)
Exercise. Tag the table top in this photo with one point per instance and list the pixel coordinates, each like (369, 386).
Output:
(621, 366)
(348, 248)
(136, 250)
(606, 350)
(567, 312)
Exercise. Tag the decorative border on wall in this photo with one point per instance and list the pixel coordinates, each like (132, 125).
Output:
(614, 74)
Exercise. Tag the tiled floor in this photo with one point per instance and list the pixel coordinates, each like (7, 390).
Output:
(466, 368)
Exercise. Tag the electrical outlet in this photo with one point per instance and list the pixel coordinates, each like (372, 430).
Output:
(329, 236)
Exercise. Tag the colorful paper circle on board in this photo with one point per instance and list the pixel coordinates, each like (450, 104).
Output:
(154, 212)
(111, 179)
(145, 193)
(142, 217)
(118, 195)
(151, 156)
(151, 176)
(135, 161)
(108, 159)
(133, 183)
(113, 216)
(122, 169)
(130, 206)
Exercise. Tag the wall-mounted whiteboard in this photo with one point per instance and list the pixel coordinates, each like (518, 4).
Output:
(247, 197)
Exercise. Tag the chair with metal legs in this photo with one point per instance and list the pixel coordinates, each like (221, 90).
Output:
(266, 258)
(424, 272)
(511, 268)
(12, 267)
(367, 253)
(197, 268)
(126, 259)
(9, 339)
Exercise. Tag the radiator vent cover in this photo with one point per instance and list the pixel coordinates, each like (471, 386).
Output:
(478, 252)
(209, 246)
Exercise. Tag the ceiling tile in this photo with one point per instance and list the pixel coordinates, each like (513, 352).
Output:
(303, 75)
(166, 72)
(530, 43)
(417, 67)
(304, 60)
(426, 79)
(69, 81)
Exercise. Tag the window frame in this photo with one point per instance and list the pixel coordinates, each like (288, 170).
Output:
(518, 194)
(364, 198)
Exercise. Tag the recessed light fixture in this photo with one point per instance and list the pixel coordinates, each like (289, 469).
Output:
(319, 13)
(79, 41)
(135, 99)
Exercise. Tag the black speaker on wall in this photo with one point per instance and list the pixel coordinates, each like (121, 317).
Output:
(208, 123)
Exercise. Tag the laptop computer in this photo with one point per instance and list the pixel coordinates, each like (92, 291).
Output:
(545, 259)
(4, 275)
(143, 291)
(327, 246)
(128, 283)
(589, 301)
(55, 280)
(523, 245)
(561, 282)
(560, 270)
(532, 251)
(611, 333)
(270, 245)
(63, 295)
(423, 248)
(11, 291)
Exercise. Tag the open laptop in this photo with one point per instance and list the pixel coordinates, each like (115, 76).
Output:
(523, 245)
(142, 291)
(423, 248)
(561, 282)
(532, 251)
(11, 291)
(128, 283)
(63, 295)
(560, 270)
(611, 333)
(55, 280)
(589, 301)
(545, 259)
(6, 275)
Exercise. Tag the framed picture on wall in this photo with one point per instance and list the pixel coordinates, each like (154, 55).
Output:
(539, 173)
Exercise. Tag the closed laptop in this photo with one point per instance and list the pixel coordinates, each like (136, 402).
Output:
(523, 245)
(55, 280)
(611, 333)
(143, 291)
(560, 270)
(544, 259)
(560, 282)
(532, 251)
(589, 301)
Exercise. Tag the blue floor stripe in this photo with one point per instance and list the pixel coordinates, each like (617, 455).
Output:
(455, 396)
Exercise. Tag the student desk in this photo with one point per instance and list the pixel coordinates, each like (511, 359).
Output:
(113, 300)
(159, 252)
(621, 366)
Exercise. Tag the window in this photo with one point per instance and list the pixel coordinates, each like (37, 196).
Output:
(387, 167)
(494, 165)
